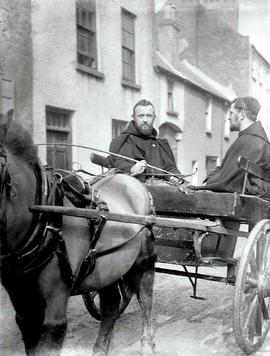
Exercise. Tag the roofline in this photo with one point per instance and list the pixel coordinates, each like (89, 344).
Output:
(253, 48)
(157, 67)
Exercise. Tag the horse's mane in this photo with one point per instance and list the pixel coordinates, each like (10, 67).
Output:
(21, 144)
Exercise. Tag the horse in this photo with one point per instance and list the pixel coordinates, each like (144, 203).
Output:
(33, 261)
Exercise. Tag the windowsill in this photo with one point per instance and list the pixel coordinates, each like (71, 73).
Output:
(172, 113)
(127, 83)
(90, 71)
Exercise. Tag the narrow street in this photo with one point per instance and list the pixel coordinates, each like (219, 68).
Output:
(184, 326)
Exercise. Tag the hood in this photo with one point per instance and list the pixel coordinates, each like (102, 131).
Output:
(131, 130)
(255, 129)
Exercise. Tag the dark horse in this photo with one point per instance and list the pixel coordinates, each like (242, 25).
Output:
(35, 279)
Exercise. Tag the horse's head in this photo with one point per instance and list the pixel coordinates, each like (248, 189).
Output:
(18, 182)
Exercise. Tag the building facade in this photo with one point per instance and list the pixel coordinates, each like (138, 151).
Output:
(83, 64)
(81, 70)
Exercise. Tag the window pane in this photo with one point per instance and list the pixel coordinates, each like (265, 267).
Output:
(117, 127)
(128, 46)
(128, 72)
(211, 163)
(128, 22)
(127, 40)
(86, 35)
(127, 56)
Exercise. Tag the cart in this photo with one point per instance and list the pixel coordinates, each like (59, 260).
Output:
(201, 230)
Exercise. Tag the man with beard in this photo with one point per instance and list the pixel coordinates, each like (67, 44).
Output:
(252, 144)
(139, 141)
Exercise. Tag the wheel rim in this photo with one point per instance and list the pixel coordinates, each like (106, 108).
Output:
(252, 290)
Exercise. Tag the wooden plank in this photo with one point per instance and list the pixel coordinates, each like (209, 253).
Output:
(169, 200)
(254, 209)
(195, 224)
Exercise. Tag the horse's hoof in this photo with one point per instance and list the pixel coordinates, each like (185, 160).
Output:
(147, 350)
(99, 352)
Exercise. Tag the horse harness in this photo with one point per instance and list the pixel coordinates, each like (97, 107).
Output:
(44, 238)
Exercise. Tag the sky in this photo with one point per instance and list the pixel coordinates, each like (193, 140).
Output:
(254, 21)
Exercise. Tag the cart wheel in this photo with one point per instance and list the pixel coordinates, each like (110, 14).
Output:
(92, 301)
(252, 290)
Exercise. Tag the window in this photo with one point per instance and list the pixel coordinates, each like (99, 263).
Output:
(86, 33)
(58, 129)
(211, 163)
(208, 115)
(117, 127)
(170, 95)
(128, 46)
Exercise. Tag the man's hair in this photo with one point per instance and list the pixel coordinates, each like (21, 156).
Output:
(249, 104)
(142, 102)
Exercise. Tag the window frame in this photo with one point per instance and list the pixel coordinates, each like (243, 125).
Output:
(209, 158)
(87, 30)
(125, 48)
(64, 127)
(117, 127)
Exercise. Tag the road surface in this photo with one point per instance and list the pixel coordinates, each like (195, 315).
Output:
(183, 326)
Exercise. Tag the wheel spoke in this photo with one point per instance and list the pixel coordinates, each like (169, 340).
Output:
(253, 265)
(258, 318)
(265, 310)
(260, 253)
(249, 322)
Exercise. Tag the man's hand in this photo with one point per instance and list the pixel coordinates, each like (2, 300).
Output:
(181, 184)
(175, 180)
(138, 168)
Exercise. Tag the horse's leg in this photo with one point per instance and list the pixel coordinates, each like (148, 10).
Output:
(144, 291)
(56, 293)
(109, 306)
(29, 306)
(41, 311)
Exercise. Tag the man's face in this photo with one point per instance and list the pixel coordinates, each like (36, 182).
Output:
(144, 117)
(234, 117)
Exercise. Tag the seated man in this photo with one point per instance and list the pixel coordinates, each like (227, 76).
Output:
(139, 141)
(252, 143)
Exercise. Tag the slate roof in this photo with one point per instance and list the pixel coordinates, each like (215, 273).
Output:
(194, 76)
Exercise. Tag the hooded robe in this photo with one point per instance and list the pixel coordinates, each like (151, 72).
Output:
(153, 150)
(252, 144)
